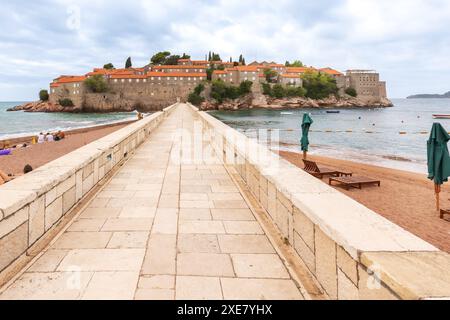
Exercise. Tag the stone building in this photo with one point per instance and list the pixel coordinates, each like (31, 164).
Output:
(366, 83)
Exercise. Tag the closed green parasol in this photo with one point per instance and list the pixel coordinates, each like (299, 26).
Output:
(304, 142)
(438, 158)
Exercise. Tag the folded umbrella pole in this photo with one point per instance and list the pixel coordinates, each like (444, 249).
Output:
(304, 142)
(438, 158)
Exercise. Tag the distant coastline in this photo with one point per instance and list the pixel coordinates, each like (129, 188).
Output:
(430, 96)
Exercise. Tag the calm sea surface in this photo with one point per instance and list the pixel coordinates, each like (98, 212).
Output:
(22, 123)
(375, 136)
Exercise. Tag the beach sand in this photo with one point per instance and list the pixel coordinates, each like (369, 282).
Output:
(405, 198)
(40, 154)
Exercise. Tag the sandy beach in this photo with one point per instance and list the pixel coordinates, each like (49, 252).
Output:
(405, 198)
(40, 154)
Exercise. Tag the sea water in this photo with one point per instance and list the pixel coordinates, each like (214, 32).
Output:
(19, 123)
(389, 137)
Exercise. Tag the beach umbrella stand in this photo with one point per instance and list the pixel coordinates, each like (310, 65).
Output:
(438, 159)
(304, 142)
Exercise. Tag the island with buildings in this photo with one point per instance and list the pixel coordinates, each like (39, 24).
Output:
(210, 84)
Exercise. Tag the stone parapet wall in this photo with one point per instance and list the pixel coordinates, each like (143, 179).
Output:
(353, 252)
(33, 205)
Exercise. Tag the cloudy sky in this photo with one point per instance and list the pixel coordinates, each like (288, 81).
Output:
(407, 41)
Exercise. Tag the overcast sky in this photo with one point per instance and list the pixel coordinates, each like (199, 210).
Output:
(407, 41)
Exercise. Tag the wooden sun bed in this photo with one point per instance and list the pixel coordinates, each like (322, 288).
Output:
(319, 171)
(354, 182)
(444, 212)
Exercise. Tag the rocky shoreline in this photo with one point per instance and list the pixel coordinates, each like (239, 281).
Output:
(43, 106)
(247, 102)
(260, 101)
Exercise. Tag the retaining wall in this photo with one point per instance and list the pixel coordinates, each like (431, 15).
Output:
(31, 206)
(353, 252)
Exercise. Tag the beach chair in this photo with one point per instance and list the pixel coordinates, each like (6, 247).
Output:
(354, 182)
(319, 171)
(444, 212)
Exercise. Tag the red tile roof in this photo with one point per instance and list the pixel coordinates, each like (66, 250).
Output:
(175, 74)
(331, 71)
(219, 72)
(178, 67)
(128, 76)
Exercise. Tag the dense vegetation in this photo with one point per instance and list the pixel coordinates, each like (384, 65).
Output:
(194, 97)
(66, 102)
(279, 91)
(221, 90)
(108, 66)
(166, 58)
(128, 63)
(43, 95)
(319, 85)
(96, 83)
(351, 92)
(296, 63)
(270, 75)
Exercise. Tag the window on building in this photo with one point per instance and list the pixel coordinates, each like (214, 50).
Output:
(123, 80)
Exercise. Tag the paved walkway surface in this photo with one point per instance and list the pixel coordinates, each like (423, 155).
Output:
(161, 230)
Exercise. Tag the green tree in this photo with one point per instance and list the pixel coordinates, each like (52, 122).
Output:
(240, 58)
(172, 60)
(128, 63)
(243, 61)
(199, 88)
(245, 87)
(108, 66)
(160, 57)
(43, 95)
(185, 56)
(319, 85)
(351, 92)
(267, 89)
(96, 83)
(66, 102)
(215, 57)
(209, 56)
(209, 73)
(270, 75)
(296, 63)
(195, 99)
(278, 91)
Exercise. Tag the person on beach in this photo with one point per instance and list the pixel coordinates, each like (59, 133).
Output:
(27, 169)
(4, 178)
(49, 137)
(41, 138)
(59, 136)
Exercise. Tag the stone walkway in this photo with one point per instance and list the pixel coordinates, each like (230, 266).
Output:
(161, 230)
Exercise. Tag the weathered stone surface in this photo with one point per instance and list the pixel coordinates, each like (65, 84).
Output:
(53, 213)
(412, 275)
(36, 219)
(326, 270)
(13, 245)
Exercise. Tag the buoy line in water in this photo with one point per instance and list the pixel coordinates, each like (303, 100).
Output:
(339, 131)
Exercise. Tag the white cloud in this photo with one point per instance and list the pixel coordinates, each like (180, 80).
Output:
(403, 39)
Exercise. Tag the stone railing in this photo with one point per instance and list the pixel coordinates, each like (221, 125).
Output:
(32, 206)
(351, 251)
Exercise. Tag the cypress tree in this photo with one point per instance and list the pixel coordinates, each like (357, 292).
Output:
(128, 63)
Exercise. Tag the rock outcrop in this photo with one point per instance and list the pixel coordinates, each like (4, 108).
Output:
(261, 101)
(43, 106)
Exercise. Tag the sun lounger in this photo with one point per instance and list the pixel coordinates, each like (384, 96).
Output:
(355, 182)
(444, 212)
(319, 171)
